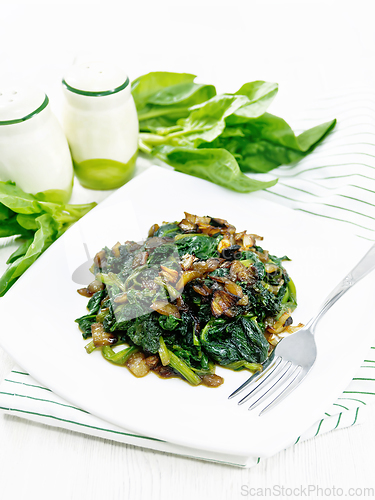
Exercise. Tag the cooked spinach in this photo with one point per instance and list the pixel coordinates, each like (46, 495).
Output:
(166, 255)
(84, 324)
(263, 302)
(229, 341)
(168, 230)
(145, 332)
(94, 303)
(200, 245)
(185, 306)
(169, 322)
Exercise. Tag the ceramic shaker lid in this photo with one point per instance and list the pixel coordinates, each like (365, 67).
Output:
(18, 104)
(95, 78)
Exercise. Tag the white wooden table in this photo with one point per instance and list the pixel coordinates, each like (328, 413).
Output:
(308, 47)
(42, 462)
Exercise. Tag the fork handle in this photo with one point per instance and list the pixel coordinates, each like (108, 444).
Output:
(364, 267)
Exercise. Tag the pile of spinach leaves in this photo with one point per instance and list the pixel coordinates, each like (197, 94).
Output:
(217, 137)
(35, 223)
(196, 340)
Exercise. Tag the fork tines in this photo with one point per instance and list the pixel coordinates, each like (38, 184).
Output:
(276, 379)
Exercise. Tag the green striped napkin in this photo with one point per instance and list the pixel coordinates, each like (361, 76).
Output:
(337, 181)
(24, 397)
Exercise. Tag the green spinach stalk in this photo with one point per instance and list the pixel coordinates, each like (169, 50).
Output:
(217, 137)
(35, 223)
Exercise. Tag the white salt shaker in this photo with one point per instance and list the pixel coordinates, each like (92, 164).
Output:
(34, 152)
(101, 124)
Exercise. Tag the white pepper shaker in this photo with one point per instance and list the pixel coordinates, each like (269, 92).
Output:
(101, 124)
(34, 152)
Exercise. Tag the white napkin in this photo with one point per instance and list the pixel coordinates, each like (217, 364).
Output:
(336, 181)
(23, 396)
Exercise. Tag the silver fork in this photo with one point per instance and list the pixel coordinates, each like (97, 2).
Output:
(294, 356)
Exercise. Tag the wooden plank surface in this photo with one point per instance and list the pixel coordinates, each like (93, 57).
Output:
(307, 47)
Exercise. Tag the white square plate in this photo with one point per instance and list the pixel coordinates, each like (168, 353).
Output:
(39, 332)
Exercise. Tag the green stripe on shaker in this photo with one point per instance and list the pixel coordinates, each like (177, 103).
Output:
(27, 117)
(99, 93)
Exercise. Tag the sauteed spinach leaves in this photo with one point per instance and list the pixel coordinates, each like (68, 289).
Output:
(195, 294)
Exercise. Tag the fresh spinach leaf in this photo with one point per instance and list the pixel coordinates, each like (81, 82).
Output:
(5, 213)
(268, 141)
(179, 118)
(21, 250)
(260, 92)
(43, 238)
(27, 221)
(146, 86)
(175, 101)
(37, 222)
(17, 200)
(215, 165)
(208, 121)
(11, 227)
(158, 94)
